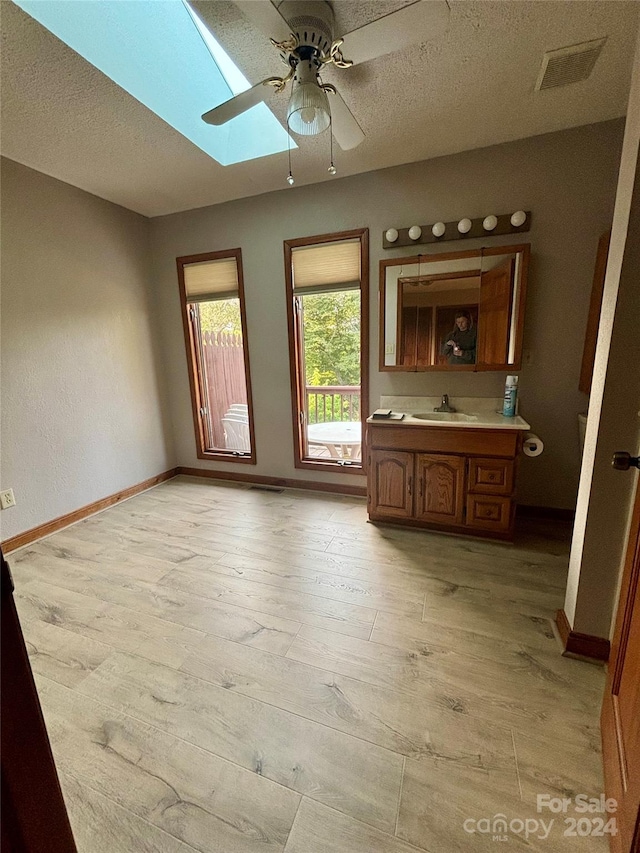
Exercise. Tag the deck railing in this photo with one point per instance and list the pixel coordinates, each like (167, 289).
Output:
(329, 403)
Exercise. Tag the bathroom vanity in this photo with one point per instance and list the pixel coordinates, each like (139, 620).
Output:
(451, 471)
(454, 472)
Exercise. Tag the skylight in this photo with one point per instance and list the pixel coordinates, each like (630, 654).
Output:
(161, 53)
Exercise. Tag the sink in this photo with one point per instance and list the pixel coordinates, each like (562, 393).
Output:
(445, 416)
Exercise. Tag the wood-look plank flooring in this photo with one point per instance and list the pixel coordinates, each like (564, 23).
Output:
(231, 670)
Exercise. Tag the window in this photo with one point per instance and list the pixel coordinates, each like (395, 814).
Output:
(167, 58)
(212, 296)
(327, 280)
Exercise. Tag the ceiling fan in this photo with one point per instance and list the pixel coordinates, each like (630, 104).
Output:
(303, 33)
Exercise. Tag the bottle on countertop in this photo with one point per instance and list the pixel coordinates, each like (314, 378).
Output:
(510, 397)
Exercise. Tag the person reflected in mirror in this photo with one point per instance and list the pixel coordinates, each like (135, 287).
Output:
(460, 346)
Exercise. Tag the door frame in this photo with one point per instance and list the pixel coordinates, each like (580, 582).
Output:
(618, 784)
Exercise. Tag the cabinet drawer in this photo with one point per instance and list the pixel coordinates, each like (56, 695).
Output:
(491, 476)
(488, 512)
(431, 439)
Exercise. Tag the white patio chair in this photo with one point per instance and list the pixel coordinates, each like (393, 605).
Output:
(236, 434)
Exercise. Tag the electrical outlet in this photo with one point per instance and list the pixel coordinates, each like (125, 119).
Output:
(7, 499)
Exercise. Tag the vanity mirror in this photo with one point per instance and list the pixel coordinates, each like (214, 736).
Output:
(454, 311)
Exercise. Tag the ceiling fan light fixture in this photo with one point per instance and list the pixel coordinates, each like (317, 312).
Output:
(308, 113)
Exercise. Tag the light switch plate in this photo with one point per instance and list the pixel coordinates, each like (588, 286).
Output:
(7, 499)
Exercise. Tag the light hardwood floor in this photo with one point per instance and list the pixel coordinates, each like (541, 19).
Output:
(231, 670)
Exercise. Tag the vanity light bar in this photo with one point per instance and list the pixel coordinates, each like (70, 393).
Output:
(463, 229)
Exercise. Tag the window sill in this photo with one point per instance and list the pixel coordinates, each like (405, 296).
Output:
(330, 466)
(225, 456)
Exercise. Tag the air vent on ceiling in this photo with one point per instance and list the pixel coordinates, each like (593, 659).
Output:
(568, 64)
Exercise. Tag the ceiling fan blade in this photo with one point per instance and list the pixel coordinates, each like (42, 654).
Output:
(423, 20)
(266, 17)
(346, 130)
(237, 105)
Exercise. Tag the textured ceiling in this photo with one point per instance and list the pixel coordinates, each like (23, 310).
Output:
(470, 88)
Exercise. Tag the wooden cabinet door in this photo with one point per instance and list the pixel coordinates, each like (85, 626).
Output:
(440, 490)
(391, 483)
(415, 336)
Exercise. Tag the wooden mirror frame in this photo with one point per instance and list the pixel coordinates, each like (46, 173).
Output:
(524, 248)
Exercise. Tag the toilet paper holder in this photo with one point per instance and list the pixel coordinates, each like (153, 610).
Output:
(532, 445)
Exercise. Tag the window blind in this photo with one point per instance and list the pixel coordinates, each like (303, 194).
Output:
(326, 267)
(211, 280)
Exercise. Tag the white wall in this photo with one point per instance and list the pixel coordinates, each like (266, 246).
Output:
(567, 179)
(605, 496)
(82, 412)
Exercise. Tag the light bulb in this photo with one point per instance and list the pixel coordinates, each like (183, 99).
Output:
(438, 229)
(415, 232)
(308, 112)
(332, 169)
(464, 226)
(490, 222)
(308, 115)
(290, 179)
(391, 235)
(518, 218)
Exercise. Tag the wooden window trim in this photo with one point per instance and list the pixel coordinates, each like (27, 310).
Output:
(297, 382)
(193, 364)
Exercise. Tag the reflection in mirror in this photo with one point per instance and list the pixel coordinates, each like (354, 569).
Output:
(463, 312)
(499, 296)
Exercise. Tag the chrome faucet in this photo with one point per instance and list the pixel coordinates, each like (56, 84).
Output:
(445, 407)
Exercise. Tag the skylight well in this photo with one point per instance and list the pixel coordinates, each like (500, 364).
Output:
(161, 53)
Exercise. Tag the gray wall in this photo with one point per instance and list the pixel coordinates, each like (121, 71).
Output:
(82, 415)
(567, 179)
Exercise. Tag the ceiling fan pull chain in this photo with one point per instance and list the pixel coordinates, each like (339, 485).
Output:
(290, 178)
(332, 169)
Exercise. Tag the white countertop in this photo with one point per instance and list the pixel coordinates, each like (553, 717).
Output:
(486, 413)
(486, 421)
